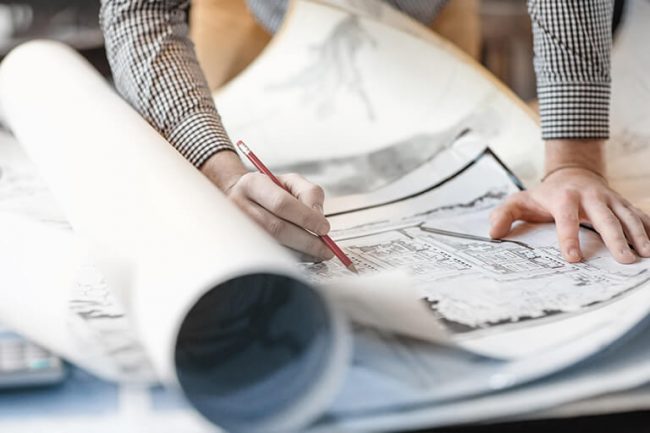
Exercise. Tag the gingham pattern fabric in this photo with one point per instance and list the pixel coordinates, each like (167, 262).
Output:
(155, 68)
(572, 41)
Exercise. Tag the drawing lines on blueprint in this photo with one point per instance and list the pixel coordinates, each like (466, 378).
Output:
(475, 283)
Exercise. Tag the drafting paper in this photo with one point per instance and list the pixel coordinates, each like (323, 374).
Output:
(388, 302)
(56, 298)
(349, 79)
(508, 299)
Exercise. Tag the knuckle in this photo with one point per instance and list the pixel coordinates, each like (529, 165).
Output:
(636, 211)
(628, 214)
(275, 226)
(597, 195)
(498, 213)
(568, 240)
(609, 219)
(279, 203)
(569, 195)
(245, 180)
(566, 216)
(317, 190)
(306, 220)
(516, 197)
(245, 183)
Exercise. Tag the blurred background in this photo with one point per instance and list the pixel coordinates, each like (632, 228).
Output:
(502, 29)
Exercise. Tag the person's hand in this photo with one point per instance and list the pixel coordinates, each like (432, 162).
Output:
(576, 191)
(288, 217)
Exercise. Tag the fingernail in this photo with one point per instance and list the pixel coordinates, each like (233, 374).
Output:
(318, 208)
(646, 248)
(574, 254)
(627, 254)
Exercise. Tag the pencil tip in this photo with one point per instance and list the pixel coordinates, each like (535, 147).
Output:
(351, 268)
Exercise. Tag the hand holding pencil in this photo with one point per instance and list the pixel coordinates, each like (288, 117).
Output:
(291, 186)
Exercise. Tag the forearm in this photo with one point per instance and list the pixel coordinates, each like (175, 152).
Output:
(156, 71)
(572, 42)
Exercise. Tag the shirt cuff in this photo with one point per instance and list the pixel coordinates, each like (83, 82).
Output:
(574, 110)
(199, 136)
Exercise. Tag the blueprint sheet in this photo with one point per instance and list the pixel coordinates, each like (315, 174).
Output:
(485, 292)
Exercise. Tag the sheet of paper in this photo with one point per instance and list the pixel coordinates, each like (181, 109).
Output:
(388, 302)
(504, 299)
(179, 255)
(55, 297)
(624, 366)
(629, 146)
(352, 94)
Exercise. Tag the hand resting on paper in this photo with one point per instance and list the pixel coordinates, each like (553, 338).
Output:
(289, 218)
(576, 191)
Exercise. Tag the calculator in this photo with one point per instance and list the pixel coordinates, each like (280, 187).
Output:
(25, 364)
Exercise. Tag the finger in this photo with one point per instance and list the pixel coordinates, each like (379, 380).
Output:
(567, 221)
(644, 218)
(608, 226)
(287, 233)
(519, 206)
(633, 228)
(279, 202)
(502, 218)
(310, 194)
(304, 258)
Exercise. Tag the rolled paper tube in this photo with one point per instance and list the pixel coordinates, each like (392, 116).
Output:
(218, 304)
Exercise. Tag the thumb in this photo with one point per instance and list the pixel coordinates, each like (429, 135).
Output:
(519, 206)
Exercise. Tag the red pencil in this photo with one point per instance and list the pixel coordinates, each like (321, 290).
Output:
(326, 239)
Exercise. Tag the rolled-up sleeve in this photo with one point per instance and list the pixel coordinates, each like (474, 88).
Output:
(572, 44)
(155, 69)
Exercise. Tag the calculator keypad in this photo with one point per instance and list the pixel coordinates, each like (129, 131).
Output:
(23, 363)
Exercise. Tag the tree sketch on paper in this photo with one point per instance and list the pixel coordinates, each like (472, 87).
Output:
(337, 59)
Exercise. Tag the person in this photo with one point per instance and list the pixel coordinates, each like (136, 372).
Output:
(155, 69)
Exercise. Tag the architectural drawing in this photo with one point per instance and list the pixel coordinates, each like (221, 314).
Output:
(470, 281)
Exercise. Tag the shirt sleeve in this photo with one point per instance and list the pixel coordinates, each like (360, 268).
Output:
(155, 69)
(572, 44)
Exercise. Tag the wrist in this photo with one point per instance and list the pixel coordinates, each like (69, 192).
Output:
(224, 169)
(586, 154)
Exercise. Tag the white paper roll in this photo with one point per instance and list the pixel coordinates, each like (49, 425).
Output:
(183, 257)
